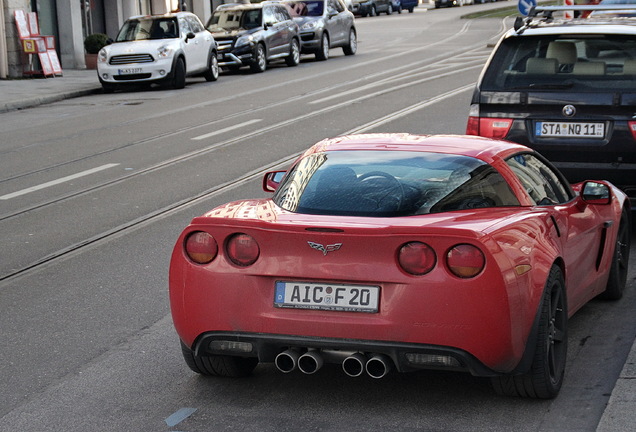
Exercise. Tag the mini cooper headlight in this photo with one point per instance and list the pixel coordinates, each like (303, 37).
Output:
(244, 40)
(102, 56)
(164, 51)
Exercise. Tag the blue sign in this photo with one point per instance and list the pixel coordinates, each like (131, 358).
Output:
(526, 5)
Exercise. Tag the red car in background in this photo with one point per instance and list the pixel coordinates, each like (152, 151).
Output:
(405, 252)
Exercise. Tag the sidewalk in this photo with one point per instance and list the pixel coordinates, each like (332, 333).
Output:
(18, 94)
(620, 413)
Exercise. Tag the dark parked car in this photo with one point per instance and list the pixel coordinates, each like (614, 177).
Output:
(254, 34)
(324, 24)
(566, 88)
(371, 7)
(406, 4)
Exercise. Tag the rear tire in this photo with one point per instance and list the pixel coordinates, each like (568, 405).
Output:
(216, 365)
(294, 54)
(352, 47)
(212, 74)
(545, 377)
(620, 261)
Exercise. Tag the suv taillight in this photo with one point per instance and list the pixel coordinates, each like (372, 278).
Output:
(490, 127)
(632, 128)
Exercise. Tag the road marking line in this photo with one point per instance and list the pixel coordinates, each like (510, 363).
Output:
(56, 182)
(179, 416)
(227, 129)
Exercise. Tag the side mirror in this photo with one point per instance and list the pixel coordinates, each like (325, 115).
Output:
(190, 35)
(272, 180)
(596, 193)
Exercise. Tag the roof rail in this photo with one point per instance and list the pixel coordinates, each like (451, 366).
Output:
(548, 10)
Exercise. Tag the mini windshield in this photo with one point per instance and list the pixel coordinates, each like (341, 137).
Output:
(142, 29)
(582, 62)
(391, 183)
(313, 8)
(228, 20)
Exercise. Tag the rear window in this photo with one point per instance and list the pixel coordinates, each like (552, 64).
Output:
(391, 183)
(584, 62)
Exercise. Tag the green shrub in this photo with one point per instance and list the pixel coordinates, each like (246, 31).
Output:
(94, 42)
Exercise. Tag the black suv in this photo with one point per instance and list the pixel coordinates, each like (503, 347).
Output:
(566, 88)
(254, 34)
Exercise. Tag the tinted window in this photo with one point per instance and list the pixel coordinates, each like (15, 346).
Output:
(542, 184)
(587, 62)
(305, 8)
(235, 19)
(391, 183)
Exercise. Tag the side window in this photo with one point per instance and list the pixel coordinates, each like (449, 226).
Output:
(185, 27)
(336, 6)
(269, 16)
(539, 180)
(195, 25)
(282, 14)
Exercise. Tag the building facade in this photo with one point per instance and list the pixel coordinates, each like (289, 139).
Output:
(70, 21)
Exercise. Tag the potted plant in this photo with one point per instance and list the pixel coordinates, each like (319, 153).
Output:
(92, 44)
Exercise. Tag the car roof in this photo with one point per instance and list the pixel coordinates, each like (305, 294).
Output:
(234, 6)
(541, 22)
(166, 15)
(485, 149)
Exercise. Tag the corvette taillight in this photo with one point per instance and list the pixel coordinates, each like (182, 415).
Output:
(465, 261)
(417, 258)
(201, 247)
(632, 128)
(242, 249)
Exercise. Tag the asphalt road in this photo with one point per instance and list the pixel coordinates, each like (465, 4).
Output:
(94, 192)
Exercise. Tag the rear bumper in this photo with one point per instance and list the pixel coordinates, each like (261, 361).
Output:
(406, 357)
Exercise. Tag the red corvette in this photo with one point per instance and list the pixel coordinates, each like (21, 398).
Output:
(401, 251)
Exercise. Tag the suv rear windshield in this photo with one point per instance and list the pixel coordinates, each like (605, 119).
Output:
(391, 183)
(581, 62)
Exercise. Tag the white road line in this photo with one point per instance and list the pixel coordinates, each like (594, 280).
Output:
(227, 129)
(58, 181)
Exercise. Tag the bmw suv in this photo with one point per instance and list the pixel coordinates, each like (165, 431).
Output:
(566, 88)
(254, 35)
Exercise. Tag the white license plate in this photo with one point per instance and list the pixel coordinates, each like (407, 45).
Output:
(129, 71)
(326, 296)
(570, 129)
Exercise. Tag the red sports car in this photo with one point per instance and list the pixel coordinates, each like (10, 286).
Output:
(401, 251)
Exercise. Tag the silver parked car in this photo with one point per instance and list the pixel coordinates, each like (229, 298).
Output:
(324, 24)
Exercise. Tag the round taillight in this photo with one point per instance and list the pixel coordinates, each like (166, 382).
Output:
(417, 258)
(242, 250)
(465, 261)
(201, 247)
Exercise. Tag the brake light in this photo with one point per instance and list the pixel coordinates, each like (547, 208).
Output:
(494, 127)
(417, 258)
(243, 250)
(632, 128)
(201, 247)
(465, 261)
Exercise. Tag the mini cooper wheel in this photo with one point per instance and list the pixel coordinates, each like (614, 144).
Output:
(352, 47)
(260, 61)
(179, 76)
(293, 59)
(212, 74)
(217, 365)
(618, 272)
(323, 53)
(545, 376)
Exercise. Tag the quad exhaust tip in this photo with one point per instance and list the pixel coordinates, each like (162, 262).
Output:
(309, 362)
(287, 361)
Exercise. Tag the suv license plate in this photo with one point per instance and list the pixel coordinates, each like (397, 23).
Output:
(570, 129)
(326, 296)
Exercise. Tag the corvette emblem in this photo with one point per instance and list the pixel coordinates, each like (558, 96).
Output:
(325, 249)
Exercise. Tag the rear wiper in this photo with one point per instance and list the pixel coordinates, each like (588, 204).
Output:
(560, 86)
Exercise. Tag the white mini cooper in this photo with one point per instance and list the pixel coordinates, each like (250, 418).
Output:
(161, 49)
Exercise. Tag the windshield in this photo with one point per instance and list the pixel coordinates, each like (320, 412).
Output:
(391, 183)
(142, 29)
(313, 8)
(583, 62)
(228, 20)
